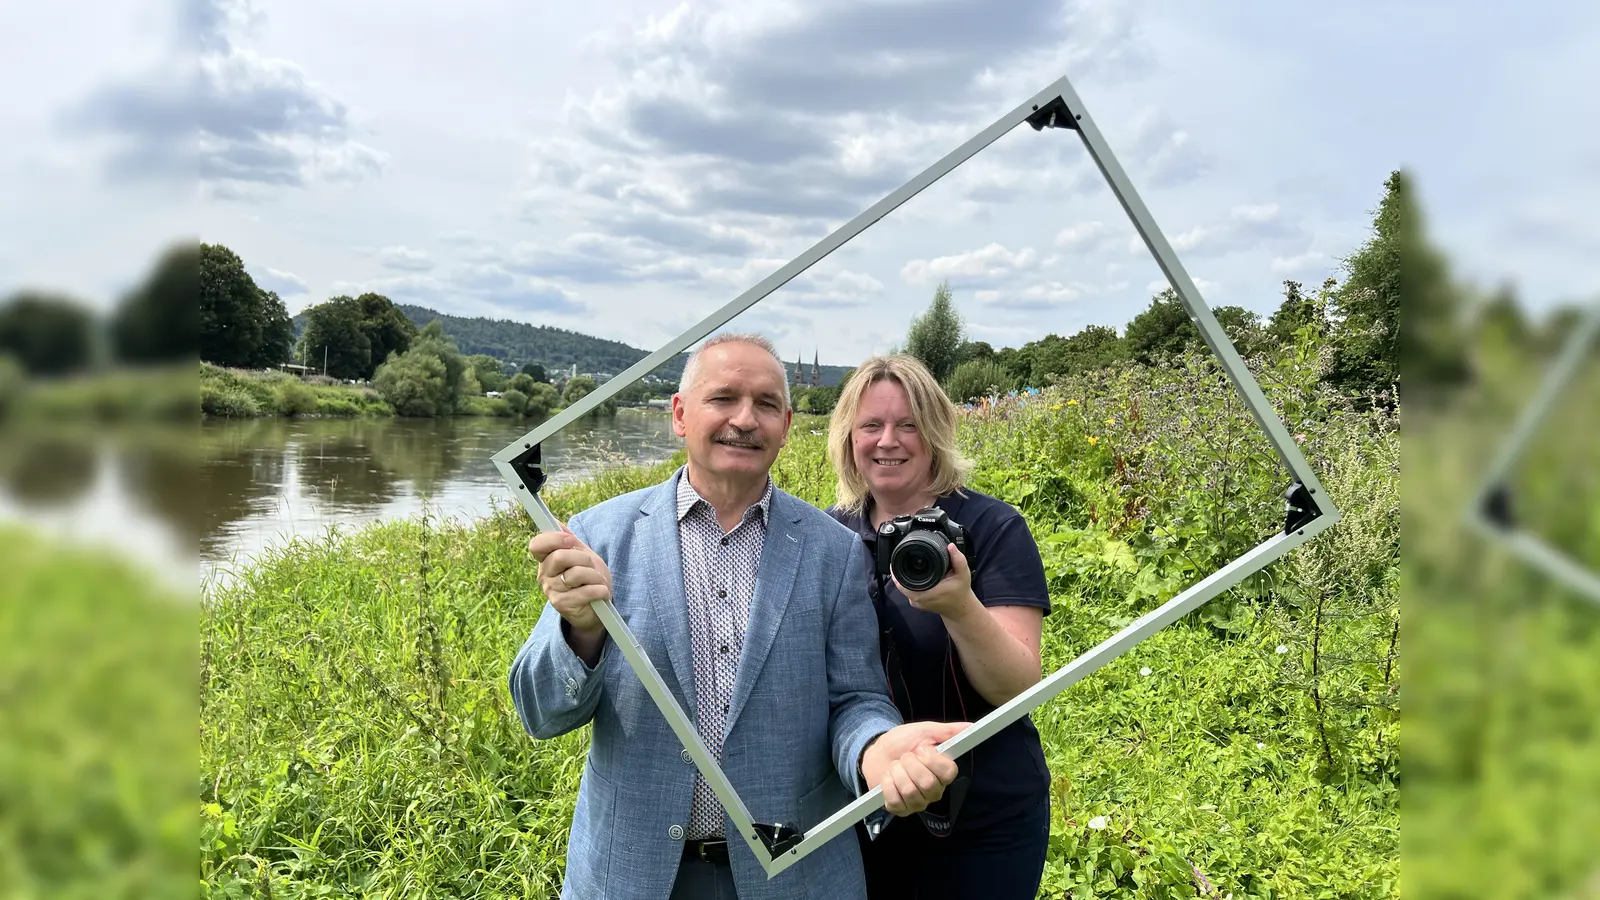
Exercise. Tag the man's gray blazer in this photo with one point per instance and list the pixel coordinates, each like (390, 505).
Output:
(809, 695)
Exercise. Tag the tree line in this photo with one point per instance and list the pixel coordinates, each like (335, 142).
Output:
(1359, 319)
(46, 334)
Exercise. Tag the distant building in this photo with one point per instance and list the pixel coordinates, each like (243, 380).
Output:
(816, 377)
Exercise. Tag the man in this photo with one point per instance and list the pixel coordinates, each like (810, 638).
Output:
(752, 605)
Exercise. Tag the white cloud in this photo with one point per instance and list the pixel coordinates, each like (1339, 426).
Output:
(404, 259)
(249, 125)
(984, 265)
(475, 289)
(285, 284)
(1207, 288)
(1301, 263)
(1244, 228)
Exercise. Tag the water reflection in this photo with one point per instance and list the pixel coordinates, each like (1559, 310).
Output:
(212, 494)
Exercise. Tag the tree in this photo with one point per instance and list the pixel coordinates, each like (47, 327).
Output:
(578, 388)
(582, 386)
(414, 384)
(159, 319)
(978, 378)
(429, 379)
(1162, 329)
(517, 400)
(524, 382)
(386, 327)
(936, 335)
(1095, 347)
(434, 342)
(1243, 328)
(970, 350)
(1431, 339)
(1366, 309)
(489, 372)
(334, 340)
(240, 324)
(1017, 363)
(536, 372)
(1296, 311)
(47, 333)
(542, 398)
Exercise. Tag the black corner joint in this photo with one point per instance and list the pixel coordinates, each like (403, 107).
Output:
(1299, 508)
(779, 839)
(1497, 507)
(1054, 114)
(529, 469)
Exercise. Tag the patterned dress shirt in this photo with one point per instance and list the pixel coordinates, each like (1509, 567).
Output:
(719, 576)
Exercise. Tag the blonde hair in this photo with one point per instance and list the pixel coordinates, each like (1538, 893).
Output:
(931, 411)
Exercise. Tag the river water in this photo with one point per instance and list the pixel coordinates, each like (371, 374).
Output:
(204, 498)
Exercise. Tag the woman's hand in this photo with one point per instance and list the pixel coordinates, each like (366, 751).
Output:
(952, 597)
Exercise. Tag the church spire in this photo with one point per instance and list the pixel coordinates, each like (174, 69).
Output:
(816, 377)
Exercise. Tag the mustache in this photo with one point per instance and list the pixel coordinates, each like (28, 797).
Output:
(741, 437)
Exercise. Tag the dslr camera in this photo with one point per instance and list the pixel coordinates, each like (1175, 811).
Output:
(912, 548)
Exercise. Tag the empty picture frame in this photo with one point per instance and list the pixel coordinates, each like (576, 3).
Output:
(1492, 511)
(1309, 510)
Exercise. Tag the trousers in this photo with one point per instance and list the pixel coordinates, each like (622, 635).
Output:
(700, 879)
(1004, 861)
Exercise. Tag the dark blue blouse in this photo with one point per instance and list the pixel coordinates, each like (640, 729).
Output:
(1007, 772)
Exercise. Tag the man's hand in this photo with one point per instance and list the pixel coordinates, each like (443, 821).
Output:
(906, 763)
(573, 577)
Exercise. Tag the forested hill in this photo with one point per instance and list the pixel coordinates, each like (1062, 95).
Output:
(556, 348)
(553, 348)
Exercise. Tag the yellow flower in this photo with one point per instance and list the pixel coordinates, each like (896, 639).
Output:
(1111, 421)
(1056, 406)
(1072, 402)
(1093, 440)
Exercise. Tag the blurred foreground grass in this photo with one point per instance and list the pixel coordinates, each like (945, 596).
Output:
(97, 710)
(1502, 747)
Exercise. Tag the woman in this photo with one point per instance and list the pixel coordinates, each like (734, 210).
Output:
(952, 652)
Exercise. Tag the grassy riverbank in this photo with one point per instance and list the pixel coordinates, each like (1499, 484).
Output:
(97, 713)
(357, 737)
(239, 394)
(148, 393)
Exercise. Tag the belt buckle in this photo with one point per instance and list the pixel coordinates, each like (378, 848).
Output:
(703, 846)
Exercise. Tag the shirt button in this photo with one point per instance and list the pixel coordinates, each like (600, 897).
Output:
(724, 542)
(722, 595)
(686, 757)
(724, 648)
(675, 832)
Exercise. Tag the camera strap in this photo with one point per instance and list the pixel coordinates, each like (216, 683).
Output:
(940, 818)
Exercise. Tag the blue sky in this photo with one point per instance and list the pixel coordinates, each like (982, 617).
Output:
(625, 168)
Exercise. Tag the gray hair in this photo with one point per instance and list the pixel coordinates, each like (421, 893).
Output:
(691, 368)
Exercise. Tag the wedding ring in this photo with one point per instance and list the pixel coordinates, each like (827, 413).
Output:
(564, 581)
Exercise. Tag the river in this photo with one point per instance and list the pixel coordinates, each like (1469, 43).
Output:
(205, 498)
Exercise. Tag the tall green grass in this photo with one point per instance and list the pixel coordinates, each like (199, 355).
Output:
(238, 394)
(97, 712)
(357, 737)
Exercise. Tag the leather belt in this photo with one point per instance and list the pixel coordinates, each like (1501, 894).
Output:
(711, 850)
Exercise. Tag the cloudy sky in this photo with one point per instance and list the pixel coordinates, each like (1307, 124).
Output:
(625, 168)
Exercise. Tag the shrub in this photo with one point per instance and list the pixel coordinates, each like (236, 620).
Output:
(978, 378)
(294, 398)
(228, 402)
(516, 400)
(13, 381)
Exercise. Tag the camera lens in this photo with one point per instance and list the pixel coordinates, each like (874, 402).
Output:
(921, 561)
